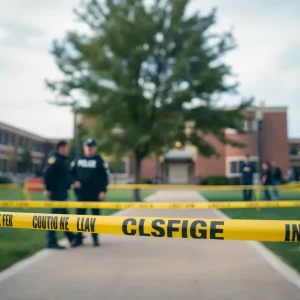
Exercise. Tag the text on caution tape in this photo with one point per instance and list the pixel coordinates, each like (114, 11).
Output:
(257, 230)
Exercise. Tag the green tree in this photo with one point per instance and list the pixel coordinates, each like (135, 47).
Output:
(26, 160)
(148, 69)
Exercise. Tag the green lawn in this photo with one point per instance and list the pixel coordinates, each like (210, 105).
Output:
(289, 252)
(16, 244)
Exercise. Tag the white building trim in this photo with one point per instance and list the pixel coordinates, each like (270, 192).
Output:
(269, 109)
(7, 147)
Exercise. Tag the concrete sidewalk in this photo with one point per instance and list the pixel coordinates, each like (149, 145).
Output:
(147, 268)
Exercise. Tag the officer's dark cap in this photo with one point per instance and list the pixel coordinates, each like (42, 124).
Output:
(90, 143)
(60, 144)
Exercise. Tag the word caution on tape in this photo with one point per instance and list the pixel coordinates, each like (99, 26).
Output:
(210, 229)
(148, 205)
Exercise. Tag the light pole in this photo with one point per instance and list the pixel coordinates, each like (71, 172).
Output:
(78, 121)
(157, 171)
(189, 128)
(259, 119)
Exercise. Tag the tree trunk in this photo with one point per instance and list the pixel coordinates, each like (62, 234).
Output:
(137, 178)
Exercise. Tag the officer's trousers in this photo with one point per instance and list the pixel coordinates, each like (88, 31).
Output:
(247, 192)
(51, 235)
(95, 212)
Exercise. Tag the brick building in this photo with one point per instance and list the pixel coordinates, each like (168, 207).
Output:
(13, 141)
(294, 152)
(180, 165)
(186, 165)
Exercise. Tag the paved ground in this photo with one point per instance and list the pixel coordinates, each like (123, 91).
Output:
(141, 268)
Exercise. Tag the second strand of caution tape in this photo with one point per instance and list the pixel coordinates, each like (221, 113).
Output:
(148, 205)
(210, 229)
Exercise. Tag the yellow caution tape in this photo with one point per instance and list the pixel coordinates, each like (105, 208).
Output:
(250, 230)
(157, 186)
(295, 186)
(183, 187)
(149, 205)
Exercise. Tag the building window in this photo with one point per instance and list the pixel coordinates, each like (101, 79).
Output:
(21, 142)
(3, 165)
(26, 144)
(37, 147)
(250, 125)
(234, 165)
(6, 138)
(294, 149)
(12, 140)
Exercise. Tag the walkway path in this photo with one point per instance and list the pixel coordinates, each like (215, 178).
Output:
(147, 268)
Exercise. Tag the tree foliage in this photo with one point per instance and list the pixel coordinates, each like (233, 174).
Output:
(26, 160)
(148, 69)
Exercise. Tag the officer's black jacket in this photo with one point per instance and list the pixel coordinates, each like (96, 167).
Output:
(276, 174)
(56, 174)
(92, 173)
(247, 176)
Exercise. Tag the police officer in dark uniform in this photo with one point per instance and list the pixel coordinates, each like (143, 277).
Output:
(57, 182)
(90, 175)
(247, 170)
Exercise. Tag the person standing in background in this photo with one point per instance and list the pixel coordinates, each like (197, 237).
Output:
(276, 179)
(291, 175)
(247, 170)
(267, 180)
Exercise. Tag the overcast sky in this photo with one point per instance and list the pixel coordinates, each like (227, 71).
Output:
(267, 59)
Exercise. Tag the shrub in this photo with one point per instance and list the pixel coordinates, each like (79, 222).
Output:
(5, 180)
(235, 180)
(146, 181)
(214, 180)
